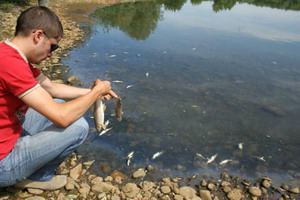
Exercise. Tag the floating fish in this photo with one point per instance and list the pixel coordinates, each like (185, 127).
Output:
(261, 158)
(147, 74)
(193, 49)
(112, 56)
(200, 155)
(105, 131)
(211, 159)
(129, 157)
(156, 155)
(129, 86)
(240, 145)
(118, 109)
(98, 110)
(118, 81)
(225, 161)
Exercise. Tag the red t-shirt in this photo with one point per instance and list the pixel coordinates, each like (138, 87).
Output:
(16, 77)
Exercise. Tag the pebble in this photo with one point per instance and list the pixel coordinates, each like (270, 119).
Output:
(165, 189)
(294, 190)
(139, 174)
(235, 194)
(205, 194)
(255, 191)
(203, 183)
(76, 172)
(266, 183)
(84, 190)
(97, 180)
(211, 186)
(225, 184)
(187, 192)
(226, 189)
(130, 190)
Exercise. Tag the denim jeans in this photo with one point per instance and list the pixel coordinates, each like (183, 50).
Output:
(41, 148)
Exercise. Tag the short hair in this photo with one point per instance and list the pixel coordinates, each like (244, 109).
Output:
(39, 18)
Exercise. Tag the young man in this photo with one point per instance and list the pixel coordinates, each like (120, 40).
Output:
(37, 132)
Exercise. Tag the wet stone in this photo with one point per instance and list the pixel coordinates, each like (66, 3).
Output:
(139, 174)
(211, 186)
(203, 183)
(294, 190)
(165, 189)
(255, 191)
(205, 194)
(285, 186)
(235, 194)
(266, 183)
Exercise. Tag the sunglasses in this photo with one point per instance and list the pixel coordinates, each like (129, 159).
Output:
(53, 46)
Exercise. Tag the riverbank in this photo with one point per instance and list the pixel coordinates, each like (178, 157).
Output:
(82, 184)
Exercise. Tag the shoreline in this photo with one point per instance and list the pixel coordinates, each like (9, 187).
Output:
(84, 185)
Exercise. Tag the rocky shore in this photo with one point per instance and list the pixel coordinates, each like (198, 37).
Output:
(83, 184)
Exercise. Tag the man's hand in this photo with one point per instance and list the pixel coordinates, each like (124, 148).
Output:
(104, 88)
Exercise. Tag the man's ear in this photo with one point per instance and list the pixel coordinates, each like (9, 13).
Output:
(38, 35)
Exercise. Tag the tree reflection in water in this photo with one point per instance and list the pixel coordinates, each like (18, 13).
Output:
(139, 19)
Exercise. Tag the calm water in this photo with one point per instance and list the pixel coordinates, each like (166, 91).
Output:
(197, 78)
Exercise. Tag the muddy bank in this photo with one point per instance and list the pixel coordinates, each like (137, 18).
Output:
(82, 184)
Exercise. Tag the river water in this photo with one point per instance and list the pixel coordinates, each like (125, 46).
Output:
(196, 78)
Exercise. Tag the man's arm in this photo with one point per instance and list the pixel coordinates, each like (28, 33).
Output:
(64, 114)
(63, 91)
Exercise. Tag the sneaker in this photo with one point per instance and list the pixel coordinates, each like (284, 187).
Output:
(55, 183)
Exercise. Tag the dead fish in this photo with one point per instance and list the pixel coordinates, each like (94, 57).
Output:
(118, 81)
(147, 74)
(112, 56)
(211, 159)
(98, 110)
(105, 131)
(225, 161)
(200, 155)
(261, 158)
(118, 109)
(129, 157)
(129, 86)
(156, 155)
(240, 145)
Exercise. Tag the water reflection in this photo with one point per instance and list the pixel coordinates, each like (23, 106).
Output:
(139, 19)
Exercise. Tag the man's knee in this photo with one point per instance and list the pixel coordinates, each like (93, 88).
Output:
(82, 127)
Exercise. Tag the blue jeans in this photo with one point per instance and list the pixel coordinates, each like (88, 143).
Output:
(41, 148)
